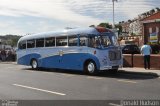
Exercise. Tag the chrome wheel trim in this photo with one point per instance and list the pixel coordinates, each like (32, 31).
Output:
(91, 67)
(34, 64)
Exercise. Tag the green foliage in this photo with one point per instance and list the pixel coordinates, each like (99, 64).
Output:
(106, 25)
(119, 27)
(10, 40)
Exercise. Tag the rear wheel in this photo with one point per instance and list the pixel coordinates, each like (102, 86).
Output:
(90, 68)
(34, 64)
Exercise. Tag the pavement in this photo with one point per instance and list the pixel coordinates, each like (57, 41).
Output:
(154, 72)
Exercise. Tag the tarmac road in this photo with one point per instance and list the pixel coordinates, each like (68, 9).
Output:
(21, 83)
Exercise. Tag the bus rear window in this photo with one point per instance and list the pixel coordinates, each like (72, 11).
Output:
(22, 45)
(30, 43)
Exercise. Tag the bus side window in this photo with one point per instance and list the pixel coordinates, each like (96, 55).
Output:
(72, 40)
(22, 45)
(40, 42)
(50, 42)
(30, 43)
(61, 41)
(93, 42)
(83, 41)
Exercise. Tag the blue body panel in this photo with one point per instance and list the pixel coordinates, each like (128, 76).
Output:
(74, 61)
(26, 59)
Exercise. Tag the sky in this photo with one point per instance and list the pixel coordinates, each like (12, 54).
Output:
(23, 17)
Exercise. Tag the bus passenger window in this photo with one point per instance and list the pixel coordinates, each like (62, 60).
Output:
(93, 42)
(61, 41)
(22, 45)
(40, 42)
(30, 43)
(83, 41)
(50, 42)
(72, 40)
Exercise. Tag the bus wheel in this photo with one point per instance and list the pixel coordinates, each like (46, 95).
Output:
(90, 68)
(34, 64)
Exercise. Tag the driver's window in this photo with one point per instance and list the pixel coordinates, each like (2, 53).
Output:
(105, 41)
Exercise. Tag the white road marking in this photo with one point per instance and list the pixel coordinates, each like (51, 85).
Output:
(112, 104)
(127, 81)
(23, 86)
(94, 77)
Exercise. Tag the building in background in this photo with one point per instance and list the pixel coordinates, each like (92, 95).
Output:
(151, 28)
(144, 28)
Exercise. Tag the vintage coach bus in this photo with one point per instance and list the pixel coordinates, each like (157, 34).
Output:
(85, 49)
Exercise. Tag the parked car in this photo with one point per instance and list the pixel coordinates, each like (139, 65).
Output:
(130, 49)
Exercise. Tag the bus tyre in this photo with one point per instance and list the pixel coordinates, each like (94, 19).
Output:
(90, 68)
(34, 64)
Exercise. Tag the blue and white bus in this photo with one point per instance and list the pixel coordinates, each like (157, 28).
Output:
(88, 49)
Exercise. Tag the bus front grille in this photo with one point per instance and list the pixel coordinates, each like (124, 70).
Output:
(114, 55)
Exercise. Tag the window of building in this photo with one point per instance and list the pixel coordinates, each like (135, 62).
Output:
(150, 30)
(50, 42)
(22, 45)
(61, 41)
(40, 42)
(30, 43)
(72, 40)
(157, 29)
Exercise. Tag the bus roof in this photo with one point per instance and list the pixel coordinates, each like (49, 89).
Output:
(66, 32)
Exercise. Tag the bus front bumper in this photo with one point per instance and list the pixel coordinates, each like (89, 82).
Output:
(110, 67)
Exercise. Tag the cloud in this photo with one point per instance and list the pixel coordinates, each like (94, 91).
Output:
(67, 13)
(54, 9)
(10, 27)
(102, 9)
(82, 12)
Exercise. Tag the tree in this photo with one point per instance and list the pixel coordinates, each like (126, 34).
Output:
(152, 11)
(158, 9)
(92, 26)
(10, 40)
(129, 21)
(148, 13)
(106, 25)
(119, 27)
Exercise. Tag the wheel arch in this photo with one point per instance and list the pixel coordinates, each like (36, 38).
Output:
(96, 62)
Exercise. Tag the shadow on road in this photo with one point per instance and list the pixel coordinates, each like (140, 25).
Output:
(121, 74)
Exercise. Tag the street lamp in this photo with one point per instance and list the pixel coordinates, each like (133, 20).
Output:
(113, 13)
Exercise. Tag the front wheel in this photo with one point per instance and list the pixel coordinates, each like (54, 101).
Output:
(90, 68)
(34, 64)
